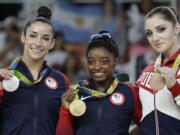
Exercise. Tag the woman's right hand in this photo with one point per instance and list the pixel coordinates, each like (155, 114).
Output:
(67, 98)
(4, 74)
(156, 82)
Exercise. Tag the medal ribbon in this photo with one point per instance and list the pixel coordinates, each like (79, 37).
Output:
(157, 64)
(95, 93)
(22, 77)
(176, 63)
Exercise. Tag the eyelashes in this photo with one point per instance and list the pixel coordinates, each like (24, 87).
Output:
(158, 30)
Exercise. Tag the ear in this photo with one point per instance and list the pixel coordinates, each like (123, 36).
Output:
(116, 61)
(52, 44)
(177, 29)
(22, 37)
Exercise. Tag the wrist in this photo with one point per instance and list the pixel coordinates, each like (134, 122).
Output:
(175, 89)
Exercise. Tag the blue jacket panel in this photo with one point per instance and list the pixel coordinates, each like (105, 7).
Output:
(33, 110)
(110, 115)
(167, 125)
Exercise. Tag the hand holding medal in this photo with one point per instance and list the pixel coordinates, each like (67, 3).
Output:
(10, 82)
(156, 82)
(77, 107)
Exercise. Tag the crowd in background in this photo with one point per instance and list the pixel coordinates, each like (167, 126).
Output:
(125, 23)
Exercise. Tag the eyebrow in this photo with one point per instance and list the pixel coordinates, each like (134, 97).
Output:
(161, 25)
(34, 32)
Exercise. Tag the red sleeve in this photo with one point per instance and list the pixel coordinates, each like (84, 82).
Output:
(1, 93)
(137, 104)
(66, 80)
(64, 126)
(175, 90)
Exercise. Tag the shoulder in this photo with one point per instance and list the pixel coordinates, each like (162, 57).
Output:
(126, 87)
(60, 76)
(131, 87)
(149, 68)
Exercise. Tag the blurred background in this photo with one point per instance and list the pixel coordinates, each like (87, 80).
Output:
(75, 21)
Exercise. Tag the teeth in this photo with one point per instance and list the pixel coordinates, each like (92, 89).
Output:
(98, 73)
(36, 50)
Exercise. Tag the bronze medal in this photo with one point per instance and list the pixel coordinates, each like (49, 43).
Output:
(157, 82)
(77, 107)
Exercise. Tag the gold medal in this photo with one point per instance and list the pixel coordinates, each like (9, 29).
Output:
(77, 107)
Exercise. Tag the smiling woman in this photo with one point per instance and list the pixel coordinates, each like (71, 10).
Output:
(102, 105)
(33, 107)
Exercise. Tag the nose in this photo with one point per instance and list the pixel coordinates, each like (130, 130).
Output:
(97, 65)
(155, 37)
(38, 42)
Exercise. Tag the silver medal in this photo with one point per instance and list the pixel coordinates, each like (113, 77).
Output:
(11, 84)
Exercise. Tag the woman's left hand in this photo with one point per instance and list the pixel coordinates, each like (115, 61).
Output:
(156, 82)
(169, 75)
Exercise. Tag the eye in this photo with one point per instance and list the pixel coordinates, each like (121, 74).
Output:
(32, 35)
(161, 29)
(148, 33)
(105, 61)
(90, 62)
(46, 38)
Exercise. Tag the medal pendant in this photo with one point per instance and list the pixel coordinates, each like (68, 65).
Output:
(77, 107)
(11, 84)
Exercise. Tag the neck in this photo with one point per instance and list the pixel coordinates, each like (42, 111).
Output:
(33, 66)
(171, 51)
(102, 86)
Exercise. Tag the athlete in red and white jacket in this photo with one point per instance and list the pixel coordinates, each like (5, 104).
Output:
(160, 92)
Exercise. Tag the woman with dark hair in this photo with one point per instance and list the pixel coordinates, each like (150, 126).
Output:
(30, 91)
(159, 84)
(103, 105)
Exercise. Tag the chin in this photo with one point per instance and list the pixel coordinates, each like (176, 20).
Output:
(99, 79)
(159, 50)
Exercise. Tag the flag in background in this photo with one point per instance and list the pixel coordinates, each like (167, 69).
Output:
(76, 21)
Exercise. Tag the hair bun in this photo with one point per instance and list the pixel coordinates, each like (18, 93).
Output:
(103, 31)
(45, 12)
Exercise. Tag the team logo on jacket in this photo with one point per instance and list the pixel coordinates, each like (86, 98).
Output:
(117, 98)
(51, 83)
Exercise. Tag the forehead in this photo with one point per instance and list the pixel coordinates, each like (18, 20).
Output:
(40, 28)
(155, 20)
(100, 52)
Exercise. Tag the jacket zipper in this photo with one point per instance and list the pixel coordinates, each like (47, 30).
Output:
(99, 117)
(35, 103)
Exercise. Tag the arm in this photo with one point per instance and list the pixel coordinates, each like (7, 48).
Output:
(4, 74)
(137, 110)
(175, 90)
(134, 131)
(137, 104)
(65, 124)
(172, 82)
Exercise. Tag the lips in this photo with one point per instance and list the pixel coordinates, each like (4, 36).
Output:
(157, 45)
(36, 50)
(98, 75)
